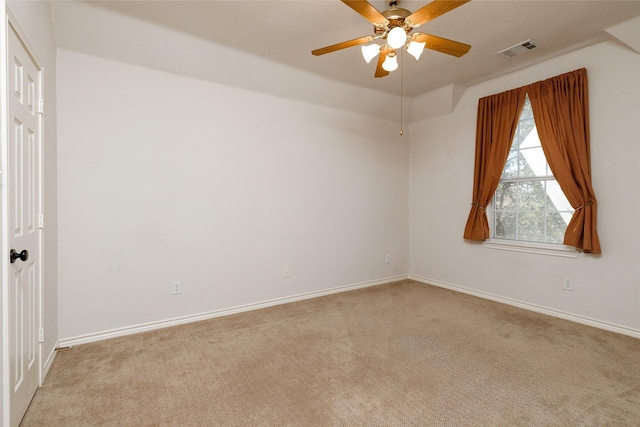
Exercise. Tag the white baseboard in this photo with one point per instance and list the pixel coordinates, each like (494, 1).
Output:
(134, 329)
(47, 363)
(532, 307)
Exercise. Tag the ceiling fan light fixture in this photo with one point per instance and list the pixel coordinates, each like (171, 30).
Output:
(397, 37)
(391, 62)
(370, 51)
(415, 48)
(392, 30)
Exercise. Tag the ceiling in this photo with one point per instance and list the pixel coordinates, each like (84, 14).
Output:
(287, 31)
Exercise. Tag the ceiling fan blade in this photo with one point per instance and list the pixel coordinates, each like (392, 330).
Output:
(433, 10)
(381, 72)
(443, 45)
(343, 45)
(365, 9)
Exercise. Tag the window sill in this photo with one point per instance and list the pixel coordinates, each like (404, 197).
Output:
(532, 248)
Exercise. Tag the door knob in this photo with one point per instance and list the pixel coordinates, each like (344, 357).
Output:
(24, 255)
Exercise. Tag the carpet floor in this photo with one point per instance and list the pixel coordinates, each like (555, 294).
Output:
(401, 354)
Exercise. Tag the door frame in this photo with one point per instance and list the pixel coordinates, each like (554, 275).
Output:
(8, 23)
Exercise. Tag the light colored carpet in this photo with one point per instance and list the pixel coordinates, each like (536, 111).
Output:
(403, 354)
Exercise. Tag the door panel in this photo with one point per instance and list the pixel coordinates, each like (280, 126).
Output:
(23, 175)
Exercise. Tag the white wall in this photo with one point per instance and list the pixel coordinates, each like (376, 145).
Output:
(164, 177)
(607, 287)
(34, 19)
(88, 28)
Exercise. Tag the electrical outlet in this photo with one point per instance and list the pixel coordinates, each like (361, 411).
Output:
(567, 284)
(387, 258)
(286, 272)
(176, 287)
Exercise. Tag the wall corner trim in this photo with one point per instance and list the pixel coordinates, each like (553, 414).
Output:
(438, 102)
(627, 33)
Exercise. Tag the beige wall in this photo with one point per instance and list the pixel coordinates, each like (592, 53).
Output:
(164, 177)
(607, 286)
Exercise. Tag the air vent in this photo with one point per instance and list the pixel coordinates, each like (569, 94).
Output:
(518, 49)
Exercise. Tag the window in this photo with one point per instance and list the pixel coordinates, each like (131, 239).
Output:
(528, 204)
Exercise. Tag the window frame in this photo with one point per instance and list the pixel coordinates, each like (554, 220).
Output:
(552, 249)
(542, 248)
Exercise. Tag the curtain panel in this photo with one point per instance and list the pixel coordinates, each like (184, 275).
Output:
(496, 126)
(560, 108)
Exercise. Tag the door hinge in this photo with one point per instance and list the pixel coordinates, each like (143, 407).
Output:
(41, 106)
(41, 221)
(41, 335)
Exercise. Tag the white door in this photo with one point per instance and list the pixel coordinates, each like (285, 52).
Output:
(23, 187)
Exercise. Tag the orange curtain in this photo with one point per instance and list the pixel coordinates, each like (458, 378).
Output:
(497, 121)
(561, 110)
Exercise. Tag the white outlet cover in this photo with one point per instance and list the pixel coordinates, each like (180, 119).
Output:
(176, 287)
(568, 284)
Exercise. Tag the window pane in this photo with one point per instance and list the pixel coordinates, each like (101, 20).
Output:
(529, 204)
(506, 196)
(566, 216)
(511, 167)
(531, 226)
(531, 195)
(532, 162)
(527, 137)
(505, 225)
(523, 166)
(556, 227)
(558, 200)
(526, 111)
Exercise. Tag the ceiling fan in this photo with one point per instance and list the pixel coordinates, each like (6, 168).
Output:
(395, 26)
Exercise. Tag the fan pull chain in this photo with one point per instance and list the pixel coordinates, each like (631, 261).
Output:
(401, 74)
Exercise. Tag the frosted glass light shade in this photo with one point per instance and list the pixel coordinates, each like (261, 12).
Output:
(396, 37)
(391, 63)
(369, 52)
(415, 49)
